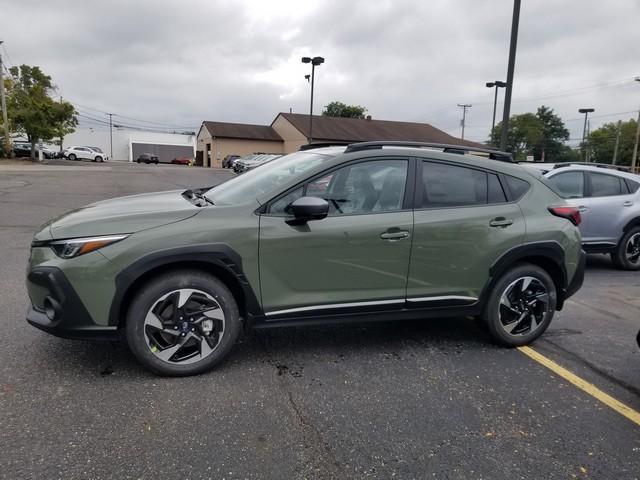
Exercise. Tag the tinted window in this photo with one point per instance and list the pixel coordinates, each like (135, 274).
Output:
(279, 207)
(495, 193)
(603, 185)
(453, 186)
(631, 185)
(517, 186)
(570, 184)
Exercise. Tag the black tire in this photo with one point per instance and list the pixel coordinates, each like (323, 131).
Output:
(620, 257)
(98, 159)
(137, 160)
(152, 292)
(72, 157)
(494, 310)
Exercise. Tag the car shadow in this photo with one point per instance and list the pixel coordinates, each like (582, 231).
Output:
(112, 359)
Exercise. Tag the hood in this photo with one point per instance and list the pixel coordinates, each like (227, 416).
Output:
(120, 215)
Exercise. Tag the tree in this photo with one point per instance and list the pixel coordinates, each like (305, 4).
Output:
(32, 111)
(541, 134)
(603, 141)
(339, 109)
(65, 121)
(554, 134)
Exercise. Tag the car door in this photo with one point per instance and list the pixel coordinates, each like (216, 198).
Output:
(609, 203)
(462, 224)
(357, 257)
(572, 186)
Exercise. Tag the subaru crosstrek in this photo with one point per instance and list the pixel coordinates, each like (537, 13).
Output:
(373, 231)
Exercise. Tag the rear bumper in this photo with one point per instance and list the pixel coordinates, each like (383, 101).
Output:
(67, 316)
(578, 277)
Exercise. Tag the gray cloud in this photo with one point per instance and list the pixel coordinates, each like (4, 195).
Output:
(182, 62)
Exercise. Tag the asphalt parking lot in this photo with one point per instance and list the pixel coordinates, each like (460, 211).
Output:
(420, 399)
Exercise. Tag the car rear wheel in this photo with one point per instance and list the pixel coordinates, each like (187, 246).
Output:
(627, 254)
(182, 324)
(521, 305)
(72, 157)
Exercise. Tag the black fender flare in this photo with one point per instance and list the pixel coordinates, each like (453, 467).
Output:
(219, 256)
(551, 251)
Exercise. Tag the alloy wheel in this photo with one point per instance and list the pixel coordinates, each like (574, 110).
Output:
(184, 326)
(524, 306)
(633, 249)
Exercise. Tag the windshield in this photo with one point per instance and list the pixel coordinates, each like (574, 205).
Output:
(264, 179)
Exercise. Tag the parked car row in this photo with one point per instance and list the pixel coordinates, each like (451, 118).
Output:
(250, 162)
(23, 149)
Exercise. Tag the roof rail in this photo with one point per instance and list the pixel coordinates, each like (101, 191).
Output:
(311, 146)
(447, 148)
(621, 168)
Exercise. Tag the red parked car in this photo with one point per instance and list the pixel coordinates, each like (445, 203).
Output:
(182, 161)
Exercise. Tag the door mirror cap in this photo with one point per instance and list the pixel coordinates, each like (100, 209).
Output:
(308, 208)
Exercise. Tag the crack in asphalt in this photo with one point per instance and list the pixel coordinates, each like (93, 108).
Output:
(321, 459)
(621, 383)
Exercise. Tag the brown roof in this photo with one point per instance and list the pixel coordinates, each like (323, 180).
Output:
(362, 130)
(242, 130)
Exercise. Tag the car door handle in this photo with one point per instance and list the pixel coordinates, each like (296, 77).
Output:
(500, 222)
(394, 235)
(628, 203)
(583, 209)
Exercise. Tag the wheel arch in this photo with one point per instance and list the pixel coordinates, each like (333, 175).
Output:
(219, 260)
(547, 255)
(634, 222)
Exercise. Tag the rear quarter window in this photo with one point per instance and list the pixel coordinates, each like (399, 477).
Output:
(517, 186)
(632, 185)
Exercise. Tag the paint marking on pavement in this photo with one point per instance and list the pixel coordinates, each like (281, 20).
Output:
(583, 385)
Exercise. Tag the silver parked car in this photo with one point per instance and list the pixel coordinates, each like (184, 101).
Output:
(609, 201)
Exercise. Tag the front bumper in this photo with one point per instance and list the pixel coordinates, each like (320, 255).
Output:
(68, 317)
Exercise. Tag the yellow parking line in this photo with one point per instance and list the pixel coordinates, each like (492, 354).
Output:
(583, 385)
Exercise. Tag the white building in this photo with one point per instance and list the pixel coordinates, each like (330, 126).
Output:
(128, 144)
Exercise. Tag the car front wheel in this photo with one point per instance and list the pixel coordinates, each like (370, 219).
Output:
(182, 324)
(520, 306)
(627, 254)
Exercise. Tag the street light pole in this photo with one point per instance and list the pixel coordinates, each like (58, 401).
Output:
(3, 101)
(497, 84)
(464, 107)
(586, 112)
(315, 61)
(510, 68)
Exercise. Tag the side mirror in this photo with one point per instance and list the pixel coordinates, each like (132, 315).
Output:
(308, 208)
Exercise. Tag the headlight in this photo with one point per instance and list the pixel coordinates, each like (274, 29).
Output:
(75, 247)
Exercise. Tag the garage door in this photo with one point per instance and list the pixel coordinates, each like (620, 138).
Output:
(165, 153)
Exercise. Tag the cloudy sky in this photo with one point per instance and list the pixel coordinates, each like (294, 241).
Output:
(178, 63)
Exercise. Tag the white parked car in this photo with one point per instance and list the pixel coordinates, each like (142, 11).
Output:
(87, 153)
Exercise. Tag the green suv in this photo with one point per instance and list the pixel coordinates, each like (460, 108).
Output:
(370, 231)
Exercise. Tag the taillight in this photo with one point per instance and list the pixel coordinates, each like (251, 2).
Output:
(570, 213)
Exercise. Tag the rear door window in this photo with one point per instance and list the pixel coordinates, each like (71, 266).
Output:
(603, 185)
(456, 186)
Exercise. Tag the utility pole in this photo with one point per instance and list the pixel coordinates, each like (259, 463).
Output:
(510, 68)
(464, 107)
(3, 101)
(615, 150)
(635, 144)
(110, 135)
